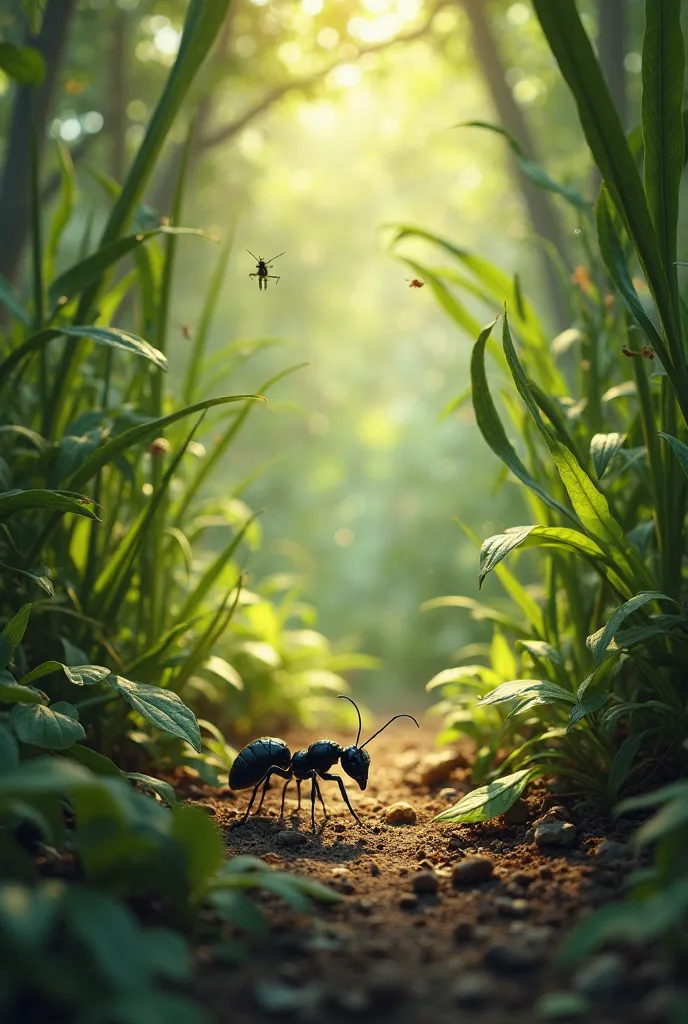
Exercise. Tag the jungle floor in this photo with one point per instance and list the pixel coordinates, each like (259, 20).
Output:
(416, 938)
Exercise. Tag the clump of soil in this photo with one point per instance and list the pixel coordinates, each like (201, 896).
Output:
(437, 923)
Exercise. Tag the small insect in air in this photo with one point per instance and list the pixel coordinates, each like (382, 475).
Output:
(646, 352)
(262, 267)
(415, 283)
(268, 756)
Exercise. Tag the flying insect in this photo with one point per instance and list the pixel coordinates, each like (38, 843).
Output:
(262, 267)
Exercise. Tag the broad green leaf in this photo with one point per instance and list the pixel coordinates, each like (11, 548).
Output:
(13, 634)
(532, 170)
(474, 675)
(494, 549)
(599, 642)
(162, 708)
(85, 273)
(25, 64)
(221, 669)
(98, 763)
(491, 800)
(80, 675)
(663, 72)
(73, 655)
(548, 692)
(163, 789)
(55, 501)
(45, 775)
(9, 751)
(540, 650)
(605, 136)
(491, 426)
(12, 693)
(41, 726)
(110, 337)
(240, 909)
(680, 450)
(12, 304)
(671, 818)
(656, 798)
(200, 842)
(27, 915)
(603, 448)
(587, 706)
(615, 262)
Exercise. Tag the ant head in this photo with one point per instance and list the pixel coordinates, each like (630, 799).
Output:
(356, 763)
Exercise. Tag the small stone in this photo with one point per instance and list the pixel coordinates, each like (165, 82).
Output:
(438, 766)
(425, 882)
(374, 869)
(510, 959)
(400, 814)
(517, 908)
(447, 795)
(554, 833)
(408, 901)
(344, 885)
(426, 864)
(602, 977)
(608, 850)
(546, 872)
(464, 931)
(539, 937)
(365, 907)
(290, 837)
(472, 871)
(517, 814)
(523, 878)
(472, 988)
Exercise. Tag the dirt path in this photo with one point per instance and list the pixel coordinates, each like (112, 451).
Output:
(470, 951)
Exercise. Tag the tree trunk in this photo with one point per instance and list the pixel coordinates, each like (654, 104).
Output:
(541, 209)
(31, 111)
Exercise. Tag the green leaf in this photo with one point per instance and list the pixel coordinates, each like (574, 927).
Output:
(671, 818)
(586, 707)
(491, 426)
(41, 726)
(599, 642)
(680, 450)
(37, 499)
(13, 634)
(162, 708)
(201, 844)
(24, 64)
(532, 170)
(605, 136)
(97, 763)
(494, 549)
(663, 70)
(474, 676)
(163, 789)
(546, 692)
(218, 667)
(12, 304)
(623, 762)
(41, 581)
(491, 800)
(603, 448)
(45, 775)
(80, 675)
(9, 751)
(88, 271)
(12, 693)
(615, 262)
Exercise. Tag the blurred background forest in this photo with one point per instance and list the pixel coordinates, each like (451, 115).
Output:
(315, 125)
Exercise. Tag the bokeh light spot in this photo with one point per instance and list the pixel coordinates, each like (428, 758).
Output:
(344, 537)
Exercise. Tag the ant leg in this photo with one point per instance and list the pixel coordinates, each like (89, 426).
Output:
(266, 786)
(345, 796)
(317, 789)
(250, 805)
(314, 786)
(298, 789)
(284, 793)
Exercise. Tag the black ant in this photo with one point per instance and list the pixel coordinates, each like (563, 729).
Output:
(262, 267)
(268, 756)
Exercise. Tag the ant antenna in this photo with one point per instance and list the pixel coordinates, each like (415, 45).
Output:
(251, 254)
(276, 257)
(385, 726)
(360, 725)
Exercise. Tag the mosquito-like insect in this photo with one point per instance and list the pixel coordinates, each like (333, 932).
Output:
(415, 283)
(262, 267)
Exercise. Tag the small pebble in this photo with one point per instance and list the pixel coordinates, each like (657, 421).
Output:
(510, 959)
(425, 882)
(365, 907)
(447, 795)
(290, 837)
(523, 878)
(517, 908)
(427, 864)
(408, 901)
(608, 850)
(472, 870)
(463, 931)
(401, 814)
(554, 833)
(472, 988)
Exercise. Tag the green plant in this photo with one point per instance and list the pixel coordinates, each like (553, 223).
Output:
(593, 688)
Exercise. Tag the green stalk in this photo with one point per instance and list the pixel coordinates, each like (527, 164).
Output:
(37, 270)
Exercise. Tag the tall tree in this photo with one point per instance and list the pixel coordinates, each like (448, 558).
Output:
(30, 114)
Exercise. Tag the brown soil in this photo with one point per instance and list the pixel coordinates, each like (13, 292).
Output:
(478, 953)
